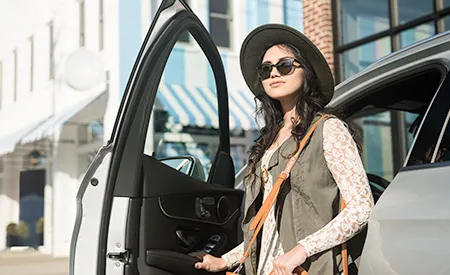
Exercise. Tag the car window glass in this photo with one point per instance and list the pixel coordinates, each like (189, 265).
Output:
(375, 135)
(442, 154)
(185, 117)
(431, 133)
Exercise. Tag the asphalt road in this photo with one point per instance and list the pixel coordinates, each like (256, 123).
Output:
(31, 263)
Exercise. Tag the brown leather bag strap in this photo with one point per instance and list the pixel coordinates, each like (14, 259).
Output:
(344, 253)
(271, 198)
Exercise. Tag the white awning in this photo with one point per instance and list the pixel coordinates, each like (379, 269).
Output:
(197, 106)
(9, 141)
(58, 119)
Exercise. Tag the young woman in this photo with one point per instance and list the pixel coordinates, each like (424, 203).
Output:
(292, 81)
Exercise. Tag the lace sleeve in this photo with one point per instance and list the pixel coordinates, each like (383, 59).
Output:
(233, 256)
(344, 162)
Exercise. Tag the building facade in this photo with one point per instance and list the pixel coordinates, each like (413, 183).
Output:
(50, 125)
(365, 31)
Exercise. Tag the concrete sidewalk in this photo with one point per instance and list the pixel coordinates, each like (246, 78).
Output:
(31, 263)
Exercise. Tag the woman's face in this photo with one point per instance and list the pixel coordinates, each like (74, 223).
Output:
(282, 87)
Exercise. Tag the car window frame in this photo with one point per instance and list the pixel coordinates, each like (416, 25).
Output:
(442, 91)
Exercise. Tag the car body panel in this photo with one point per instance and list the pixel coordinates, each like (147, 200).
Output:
(409, 227)
(86, 230)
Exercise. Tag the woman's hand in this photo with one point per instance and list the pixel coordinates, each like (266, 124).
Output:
(209, 263)
(286, 263)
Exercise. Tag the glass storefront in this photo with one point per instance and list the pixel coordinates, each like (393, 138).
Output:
(359, 58)
(409, 10)
(415, 34)
(446, 23)
(367, 31)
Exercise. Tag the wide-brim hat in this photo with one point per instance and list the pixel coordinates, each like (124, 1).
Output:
(265, 36)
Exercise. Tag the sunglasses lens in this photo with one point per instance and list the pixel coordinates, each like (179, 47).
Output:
(285, 67)
(264, 71)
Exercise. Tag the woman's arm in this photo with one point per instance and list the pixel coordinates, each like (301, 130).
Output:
(233, 256)
(344, 162)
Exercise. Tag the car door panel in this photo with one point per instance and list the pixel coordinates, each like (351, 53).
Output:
(189, 213)
(408, 227)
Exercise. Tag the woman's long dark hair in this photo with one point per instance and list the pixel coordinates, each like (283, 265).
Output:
(308, 103)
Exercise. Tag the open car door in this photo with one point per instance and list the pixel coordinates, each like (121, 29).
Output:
(137, 214)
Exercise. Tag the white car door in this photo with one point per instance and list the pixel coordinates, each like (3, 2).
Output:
(409, 229)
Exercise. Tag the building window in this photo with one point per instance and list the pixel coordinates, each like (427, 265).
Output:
(415, 34)
(51, 51)
(367, 30)
(101, 27)
(90, 132)
(220, 22)
(409, 10)
(363, 18)
(82, 23)
(445, 23)
(15, 75)
(31, 64)
(358, 58)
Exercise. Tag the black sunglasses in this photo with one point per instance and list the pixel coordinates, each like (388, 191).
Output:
(284, 67)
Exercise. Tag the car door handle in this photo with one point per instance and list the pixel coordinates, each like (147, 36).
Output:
(200, 209)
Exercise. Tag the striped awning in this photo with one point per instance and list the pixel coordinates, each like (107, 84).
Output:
(197, 106)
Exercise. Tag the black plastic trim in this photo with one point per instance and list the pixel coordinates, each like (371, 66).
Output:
(425, 166)
(198, 219)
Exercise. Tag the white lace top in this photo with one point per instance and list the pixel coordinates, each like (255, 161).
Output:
(344, 162)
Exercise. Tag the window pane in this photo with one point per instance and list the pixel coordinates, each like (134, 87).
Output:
(426, 142)
(238, 155)
(219, 30)
(361, 18)
(377, 144)
(180, 128)
(412, 121)
(418, 33)
(411, 9)
(218, 6)
(359, 58)
(443, 154)
(446, 3)
(446, 23)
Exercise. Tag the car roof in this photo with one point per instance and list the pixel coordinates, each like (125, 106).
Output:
(433, 52)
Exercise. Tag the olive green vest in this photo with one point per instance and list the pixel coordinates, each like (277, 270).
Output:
(309, 199)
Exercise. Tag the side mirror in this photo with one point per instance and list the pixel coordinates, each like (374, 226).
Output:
(189, 165)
